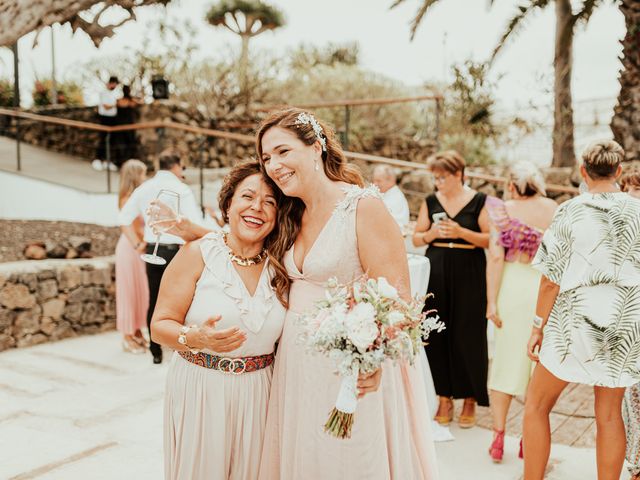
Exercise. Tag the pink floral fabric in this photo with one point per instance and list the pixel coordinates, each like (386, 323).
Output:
(515, 237)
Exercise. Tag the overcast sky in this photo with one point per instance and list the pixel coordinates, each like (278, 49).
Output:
(452, 31)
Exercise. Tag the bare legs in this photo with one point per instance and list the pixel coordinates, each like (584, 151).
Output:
(500, 403)
(469, 407)
(544, 390)
(610, 436)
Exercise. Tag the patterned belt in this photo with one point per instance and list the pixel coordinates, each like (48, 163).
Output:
(465, 246)
(235, 366)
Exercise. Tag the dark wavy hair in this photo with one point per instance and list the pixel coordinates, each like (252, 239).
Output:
(280, 279)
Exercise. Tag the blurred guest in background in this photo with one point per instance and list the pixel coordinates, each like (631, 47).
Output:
(517, 226)
(454, 223)
(630, 183)
(384, 177)
(132, 291)
(169, 177)
(107, 111)
(587, 322)
(125, 143)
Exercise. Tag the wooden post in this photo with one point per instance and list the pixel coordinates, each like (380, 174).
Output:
(16, 102)
(347, 119)
(201, 162)
(107, 142)
(437, 132)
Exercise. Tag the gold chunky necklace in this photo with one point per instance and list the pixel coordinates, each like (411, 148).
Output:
(244, 261)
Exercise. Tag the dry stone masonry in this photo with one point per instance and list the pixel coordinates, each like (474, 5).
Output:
(54, 299)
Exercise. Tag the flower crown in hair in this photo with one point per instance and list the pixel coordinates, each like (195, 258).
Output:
(308, 119)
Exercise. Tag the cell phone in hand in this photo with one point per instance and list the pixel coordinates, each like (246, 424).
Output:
(440, 216)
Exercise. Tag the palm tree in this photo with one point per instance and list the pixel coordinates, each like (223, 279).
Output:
(246, 18)
(566, 23)
(627, 112)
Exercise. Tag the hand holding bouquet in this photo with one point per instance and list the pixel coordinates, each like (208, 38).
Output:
(359, 326)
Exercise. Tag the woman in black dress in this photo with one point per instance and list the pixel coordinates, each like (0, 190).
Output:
(125, 143)
(455, 224)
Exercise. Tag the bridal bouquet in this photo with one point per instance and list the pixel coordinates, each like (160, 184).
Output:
(359, 326)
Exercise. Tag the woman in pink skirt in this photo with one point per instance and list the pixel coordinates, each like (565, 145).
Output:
(132, 291)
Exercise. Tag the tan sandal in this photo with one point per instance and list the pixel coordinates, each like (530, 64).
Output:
(445, 420)
(468, 421)
(129, 345)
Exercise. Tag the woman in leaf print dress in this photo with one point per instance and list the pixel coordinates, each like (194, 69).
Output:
(630, 183)
(587, 323)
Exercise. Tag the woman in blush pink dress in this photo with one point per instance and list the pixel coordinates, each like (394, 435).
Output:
(335, 228)
(132, 291)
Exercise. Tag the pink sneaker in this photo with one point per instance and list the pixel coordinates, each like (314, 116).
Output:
(496, 451)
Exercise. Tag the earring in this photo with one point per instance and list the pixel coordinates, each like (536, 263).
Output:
(316, 168)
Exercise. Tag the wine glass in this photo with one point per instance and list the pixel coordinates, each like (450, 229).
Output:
(162, 215)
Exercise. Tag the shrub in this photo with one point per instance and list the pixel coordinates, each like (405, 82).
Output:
(6, 93)
(69, 93)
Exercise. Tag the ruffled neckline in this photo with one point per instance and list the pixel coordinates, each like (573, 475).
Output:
(253, 309)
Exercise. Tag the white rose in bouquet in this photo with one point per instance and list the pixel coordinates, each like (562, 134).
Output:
(395, 317)
(386, 290)
(332, 322)
(361, 326)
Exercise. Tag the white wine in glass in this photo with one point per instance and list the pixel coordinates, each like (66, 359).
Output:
(162, 214)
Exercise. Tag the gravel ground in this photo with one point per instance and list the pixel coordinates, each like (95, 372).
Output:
(15, 234)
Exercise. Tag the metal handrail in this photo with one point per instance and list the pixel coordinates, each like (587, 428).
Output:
(355, 102)
(245, 139)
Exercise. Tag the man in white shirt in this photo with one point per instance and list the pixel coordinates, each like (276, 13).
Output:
(169, 177)
(107, 111)
(385, 179)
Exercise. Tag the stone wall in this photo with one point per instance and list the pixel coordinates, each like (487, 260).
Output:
(72, 141)
(54, 299)
(83, 143)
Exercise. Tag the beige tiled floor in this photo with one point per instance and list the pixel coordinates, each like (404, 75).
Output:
(82, 408)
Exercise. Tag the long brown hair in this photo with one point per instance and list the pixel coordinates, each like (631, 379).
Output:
(334, 164)
(280, 280)
(131, 177)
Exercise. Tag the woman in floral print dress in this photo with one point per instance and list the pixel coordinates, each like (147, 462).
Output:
(587, 323)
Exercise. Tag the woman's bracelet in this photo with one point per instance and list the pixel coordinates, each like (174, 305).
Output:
(537, 321)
